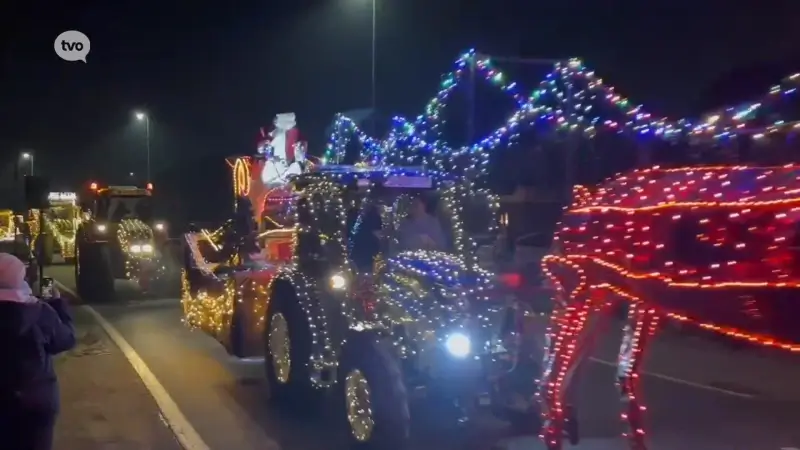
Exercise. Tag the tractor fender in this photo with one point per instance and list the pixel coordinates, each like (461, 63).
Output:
(289, 282)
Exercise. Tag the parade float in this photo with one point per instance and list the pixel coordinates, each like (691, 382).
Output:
(9, 225)
(334, 316)
(62, 220)
(60, 223)
(263, 177)
(714, 247)
(119, 239)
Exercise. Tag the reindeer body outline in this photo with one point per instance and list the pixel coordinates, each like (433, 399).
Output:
(732, 272)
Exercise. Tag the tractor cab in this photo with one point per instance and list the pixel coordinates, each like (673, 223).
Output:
(120, 236)
(465, 222)
(61, 223)
(116, 203)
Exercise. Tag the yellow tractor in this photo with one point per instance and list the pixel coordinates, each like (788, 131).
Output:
(7, 229)
(56, 233)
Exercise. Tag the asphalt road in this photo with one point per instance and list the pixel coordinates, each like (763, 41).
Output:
(700, 395)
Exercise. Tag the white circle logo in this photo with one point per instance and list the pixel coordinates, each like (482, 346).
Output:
(72, 46)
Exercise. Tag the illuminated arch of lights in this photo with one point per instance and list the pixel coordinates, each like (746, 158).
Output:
(241, 177)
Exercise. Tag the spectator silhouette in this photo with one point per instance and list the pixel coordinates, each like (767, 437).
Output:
(32, 331)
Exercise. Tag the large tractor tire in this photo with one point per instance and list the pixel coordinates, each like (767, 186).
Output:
(373, 399)
(287, 352)
(45, 248)
(94, 276)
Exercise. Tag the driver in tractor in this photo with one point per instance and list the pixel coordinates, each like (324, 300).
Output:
(366, 236)
(421, 230)
(120, 213)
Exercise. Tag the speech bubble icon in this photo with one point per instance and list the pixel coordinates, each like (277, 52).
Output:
(72, 46)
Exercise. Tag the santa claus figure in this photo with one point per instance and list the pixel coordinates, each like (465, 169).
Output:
(284, 151)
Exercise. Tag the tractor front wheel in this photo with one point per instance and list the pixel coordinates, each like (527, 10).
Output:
(94, 275)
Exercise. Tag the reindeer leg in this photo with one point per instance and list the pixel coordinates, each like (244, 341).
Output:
(641, 326)
(570, 338)
(551, 388)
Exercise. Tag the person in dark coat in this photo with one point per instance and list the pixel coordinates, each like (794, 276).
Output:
(32, 331)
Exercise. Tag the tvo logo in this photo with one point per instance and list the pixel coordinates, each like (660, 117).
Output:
(72, 46)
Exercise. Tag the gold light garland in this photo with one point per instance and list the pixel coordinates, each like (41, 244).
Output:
(63, 232)
(241, 177)
(132, 232)
(7, 229)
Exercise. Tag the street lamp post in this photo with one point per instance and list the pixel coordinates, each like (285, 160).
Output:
(373, 63)
(374, 56)
(142, 117)
(27, 156)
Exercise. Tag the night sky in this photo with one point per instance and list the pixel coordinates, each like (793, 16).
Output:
(211, 73)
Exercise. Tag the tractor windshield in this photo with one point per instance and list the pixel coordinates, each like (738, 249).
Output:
(115, 209)
(479, 219)
(64, 212)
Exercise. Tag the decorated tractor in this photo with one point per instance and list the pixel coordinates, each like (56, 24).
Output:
(348, 311)
(713, 247)
(15, 238)
(8, 228)
(328, 289)
(118, 240)
(60, 221)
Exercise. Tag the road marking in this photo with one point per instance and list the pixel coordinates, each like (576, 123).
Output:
(680, 381)
(187, 436)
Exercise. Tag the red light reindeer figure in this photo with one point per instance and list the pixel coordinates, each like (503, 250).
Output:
(710, 246)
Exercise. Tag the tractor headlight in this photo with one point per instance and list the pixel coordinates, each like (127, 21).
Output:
(141, 248)
(338, 282)
(458, 345)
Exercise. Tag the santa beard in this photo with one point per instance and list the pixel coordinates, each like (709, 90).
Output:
(277, 172)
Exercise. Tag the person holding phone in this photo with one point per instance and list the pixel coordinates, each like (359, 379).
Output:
(32, 331)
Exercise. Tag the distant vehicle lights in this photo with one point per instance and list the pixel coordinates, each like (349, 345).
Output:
(62, 196)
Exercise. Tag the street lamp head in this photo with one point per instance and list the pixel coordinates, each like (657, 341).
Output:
(26, 155)
(140, 116)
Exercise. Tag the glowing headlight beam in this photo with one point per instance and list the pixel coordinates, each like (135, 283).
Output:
(458, 345)
(338, 282)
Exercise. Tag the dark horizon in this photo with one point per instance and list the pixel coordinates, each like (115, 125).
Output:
(210, 77)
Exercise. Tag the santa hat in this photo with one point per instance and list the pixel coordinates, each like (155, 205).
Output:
(13, 287)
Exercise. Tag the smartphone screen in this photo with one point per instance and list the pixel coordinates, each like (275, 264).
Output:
(47, 287)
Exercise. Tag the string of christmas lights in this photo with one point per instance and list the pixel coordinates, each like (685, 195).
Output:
(570, 97)
(138, 245)
(712, 247)
(63, 231)
(7, 229)
(732, 121)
